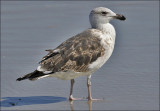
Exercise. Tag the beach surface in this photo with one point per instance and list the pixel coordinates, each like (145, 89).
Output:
(128, 81)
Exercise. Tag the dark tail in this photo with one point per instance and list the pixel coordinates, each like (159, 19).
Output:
(32, 76)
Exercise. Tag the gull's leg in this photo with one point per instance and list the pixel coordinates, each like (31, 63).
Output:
(71, 90)
(89, 89)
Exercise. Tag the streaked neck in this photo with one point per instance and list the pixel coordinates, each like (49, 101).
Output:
(107, 28)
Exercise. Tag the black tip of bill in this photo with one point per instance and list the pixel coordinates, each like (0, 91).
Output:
(123, 18)
(120, 17)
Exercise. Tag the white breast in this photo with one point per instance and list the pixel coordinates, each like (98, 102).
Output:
(107, 41)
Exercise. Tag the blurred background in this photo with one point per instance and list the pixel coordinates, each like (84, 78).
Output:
(128, 81)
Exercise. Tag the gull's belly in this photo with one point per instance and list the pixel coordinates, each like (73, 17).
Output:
(68, 75)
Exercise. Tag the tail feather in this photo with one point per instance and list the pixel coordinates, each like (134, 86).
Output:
(32, 76)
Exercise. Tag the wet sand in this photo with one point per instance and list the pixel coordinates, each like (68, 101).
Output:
(128, 81)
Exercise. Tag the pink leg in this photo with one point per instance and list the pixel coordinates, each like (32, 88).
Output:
(71, 90)
(89, 89)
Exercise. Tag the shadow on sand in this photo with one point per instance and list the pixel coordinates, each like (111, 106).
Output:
(31, 100)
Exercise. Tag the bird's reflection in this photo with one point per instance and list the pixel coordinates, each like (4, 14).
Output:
(71, 105)
(89, 105)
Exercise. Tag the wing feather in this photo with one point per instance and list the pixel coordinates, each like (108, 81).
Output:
(74, 54)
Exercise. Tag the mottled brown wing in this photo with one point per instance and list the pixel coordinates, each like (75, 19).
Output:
(74, 54)
(50, 54)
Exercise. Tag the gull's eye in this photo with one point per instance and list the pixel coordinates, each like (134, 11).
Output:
(103, 13)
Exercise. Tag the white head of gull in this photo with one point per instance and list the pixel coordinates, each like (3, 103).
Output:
(80, 55)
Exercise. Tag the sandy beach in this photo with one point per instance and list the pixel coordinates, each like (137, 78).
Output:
(128, 81)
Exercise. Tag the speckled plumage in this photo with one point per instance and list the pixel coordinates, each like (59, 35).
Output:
(80, 55)
(75, 54)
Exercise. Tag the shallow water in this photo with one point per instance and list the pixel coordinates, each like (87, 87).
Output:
(128, 81)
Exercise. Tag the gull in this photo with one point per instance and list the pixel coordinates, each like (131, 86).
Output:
(82, 54)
